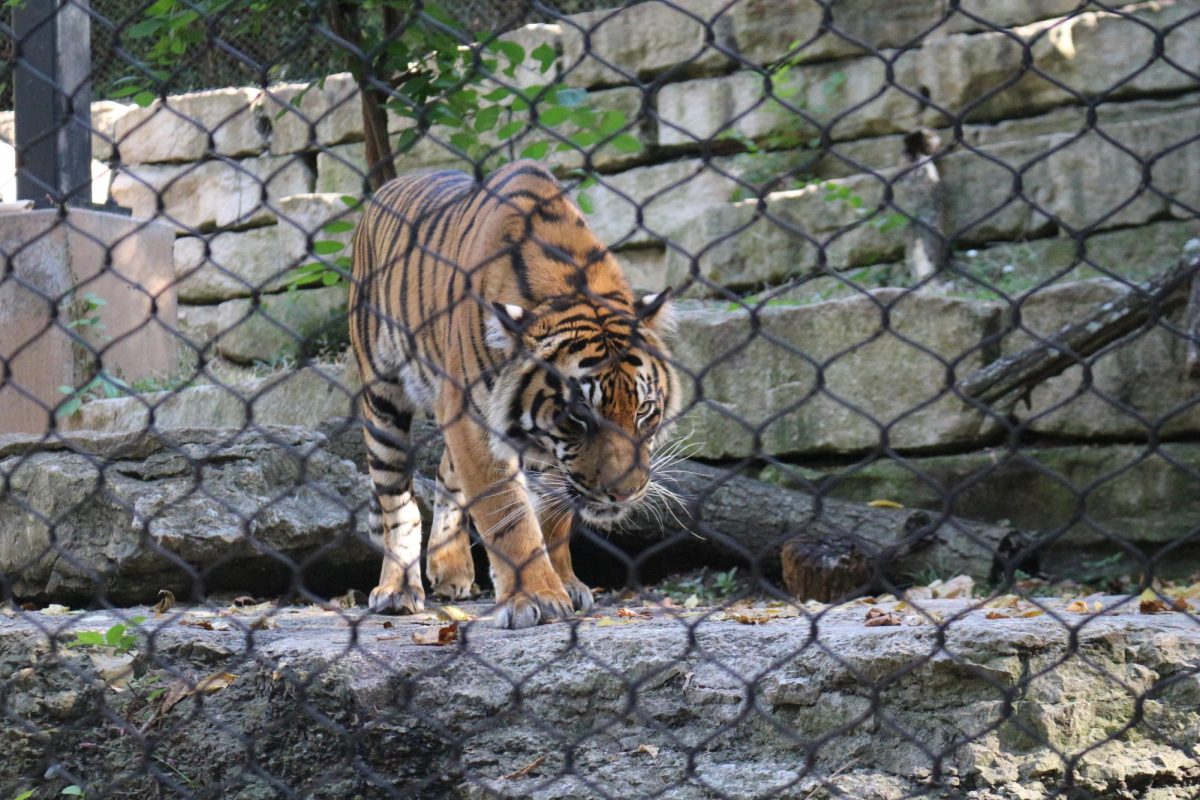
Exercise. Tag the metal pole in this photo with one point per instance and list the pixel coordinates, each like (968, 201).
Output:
(53, 97)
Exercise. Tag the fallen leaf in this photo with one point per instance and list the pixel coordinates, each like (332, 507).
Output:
(453, 614)
(166, 599)
(439, 636)
(691, 602)
(56, 609)
(1031, 612)
(877, 617)
(913, 619)
(1078, 607)
(958, 586)
(1151, 603)
(176, 693)
(1180, 604)
(388, 624)
(1003, 601)
(198, 623)
(997, 615)
(901, 606)
(648, 749)
(884, 504)
(215, 682)
(525, 770)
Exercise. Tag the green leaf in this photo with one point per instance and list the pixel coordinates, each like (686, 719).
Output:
(464, 140)
(114, 636)
(125, 91)
(611, 122)
(627, 143)
(330, 278)
(145, 28)
(536, 150)
(338, 226)
(87, 638)
(510, 50)
(583, 116)
(487, 118)
(138, 620)
(584, 200)
(545, 55)
(74, 790)
(25, 795)
(325, 247)
(143, 98)
(554, 116)
(497, 95)
(509, 130)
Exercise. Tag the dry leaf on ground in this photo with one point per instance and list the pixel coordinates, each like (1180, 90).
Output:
(997, 615)
(1003, 601)
(1150, 603)
(198, 623)
(439, 636)
(166, 600)
(877, 617)
(884, 504)
(648, 749)
(525, 770)
(691, 602)
(629, 613)
(1078, 607)
(176, 693)
(453, 614)
(215, 682)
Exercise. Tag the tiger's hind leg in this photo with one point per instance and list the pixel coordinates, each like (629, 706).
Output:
(448, 563)
(395, 521)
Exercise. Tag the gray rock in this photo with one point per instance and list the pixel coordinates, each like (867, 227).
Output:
(123, 515)
(756, 388)
(682, 706)
(238, 263)
(279, 327)
(188, 127)
(308, 116)
(211, 194)
(1146, 495)
(307, 397)
(1135, 388)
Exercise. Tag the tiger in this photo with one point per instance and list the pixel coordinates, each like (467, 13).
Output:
(491, 305)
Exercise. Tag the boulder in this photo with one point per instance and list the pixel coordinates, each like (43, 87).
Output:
(1144, 495)
(310, 116)
(1087, 54)
(1135, 388)
(189, 127)
(851, 99)
(845, 376)
(688, 705)
(233, 264)
(211, 194)
(123, 515)
(311, 396)
(273, 328)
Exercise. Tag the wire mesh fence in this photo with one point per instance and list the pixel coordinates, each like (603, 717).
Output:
(704, 398)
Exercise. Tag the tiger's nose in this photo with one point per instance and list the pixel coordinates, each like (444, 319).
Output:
(620, 497)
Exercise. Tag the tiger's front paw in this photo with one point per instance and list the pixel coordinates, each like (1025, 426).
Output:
(387, 599)
(528, 609)
(580, 594)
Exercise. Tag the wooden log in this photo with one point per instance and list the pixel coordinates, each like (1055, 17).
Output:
(825, 570)
(725, 516)
(1014, 376)
(729, 515)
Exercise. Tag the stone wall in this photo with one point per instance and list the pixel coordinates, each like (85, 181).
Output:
(1069, 164)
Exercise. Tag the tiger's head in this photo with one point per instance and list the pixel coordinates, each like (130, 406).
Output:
(586, 395)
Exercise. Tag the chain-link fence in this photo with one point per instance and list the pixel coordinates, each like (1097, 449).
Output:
(742, 399)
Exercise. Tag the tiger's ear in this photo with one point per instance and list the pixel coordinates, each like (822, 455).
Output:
(505, 325)
(655, 311)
